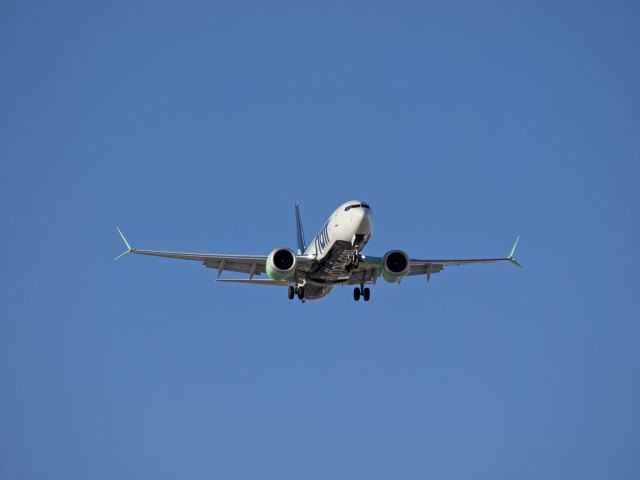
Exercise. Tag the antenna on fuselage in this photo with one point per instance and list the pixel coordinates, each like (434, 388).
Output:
(302, 246)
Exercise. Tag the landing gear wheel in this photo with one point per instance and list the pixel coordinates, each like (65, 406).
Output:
(301, 293)
(291, 292)
(366, 294)
(356, 294)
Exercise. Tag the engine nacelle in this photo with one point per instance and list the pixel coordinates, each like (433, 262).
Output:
(281, 264)
(395, 266)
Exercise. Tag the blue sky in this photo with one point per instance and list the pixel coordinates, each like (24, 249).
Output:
(195, 126)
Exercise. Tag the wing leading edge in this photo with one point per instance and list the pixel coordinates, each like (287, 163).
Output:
(429, 266)
(249, 264)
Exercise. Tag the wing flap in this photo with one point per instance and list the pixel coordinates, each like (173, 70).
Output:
(249, 264)
(271, 283)
(419, 268)
(251, 267)
(429, 266)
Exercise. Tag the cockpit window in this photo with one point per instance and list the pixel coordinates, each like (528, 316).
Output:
(356, 205)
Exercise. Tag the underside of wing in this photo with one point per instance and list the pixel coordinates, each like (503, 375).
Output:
(428, 266)
(373, 266)
(251, 265)
(365, 274)
(274, 283)
(423, 267)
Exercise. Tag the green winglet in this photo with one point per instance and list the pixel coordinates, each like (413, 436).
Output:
(129, 248)
(513, 251)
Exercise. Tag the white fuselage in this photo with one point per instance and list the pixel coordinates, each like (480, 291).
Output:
(346, 224)
(344, 234)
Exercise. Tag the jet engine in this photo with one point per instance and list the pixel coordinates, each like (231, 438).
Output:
(281, 264)
(395, 266)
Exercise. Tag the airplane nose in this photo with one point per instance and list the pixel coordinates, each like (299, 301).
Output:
(364, 221)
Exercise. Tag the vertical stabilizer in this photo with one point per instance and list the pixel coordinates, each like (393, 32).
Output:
(302, 246)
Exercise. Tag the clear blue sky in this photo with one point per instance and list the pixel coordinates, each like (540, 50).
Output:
(195, 126)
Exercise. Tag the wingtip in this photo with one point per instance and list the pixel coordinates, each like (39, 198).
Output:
(124, 238)
(515, 245)
(511, 256)
(121, 255)
(129, 248)
(515, 262)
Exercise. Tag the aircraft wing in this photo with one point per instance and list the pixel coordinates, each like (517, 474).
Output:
(370, 266)
(249, 264)
(423, 267)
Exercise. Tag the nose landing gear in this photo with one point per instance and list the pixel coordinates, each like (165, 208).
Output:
(361, 291)
(352, 261)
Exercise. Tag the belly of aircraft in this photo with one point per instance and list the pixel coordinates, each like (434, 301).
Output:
(313, 292)
(330, 269)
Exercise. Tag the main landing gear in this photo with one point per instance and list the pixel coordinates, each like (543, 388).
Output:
(292, 291)
(361, 291)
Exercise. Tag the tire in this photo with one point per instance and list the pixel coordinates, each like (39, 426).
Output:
(291, 292)
(366, 294)
(301, 293)
(356, 294)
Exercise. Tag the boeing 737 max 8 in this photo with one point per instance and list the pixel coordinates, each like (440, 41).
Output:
(333, 257)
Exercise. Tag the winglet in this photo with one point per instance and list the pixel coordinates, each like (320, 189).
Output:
(129, 248)
(511, 257)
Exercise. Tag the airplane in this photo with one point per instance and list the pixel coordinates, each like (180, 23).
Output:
(333, 257)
